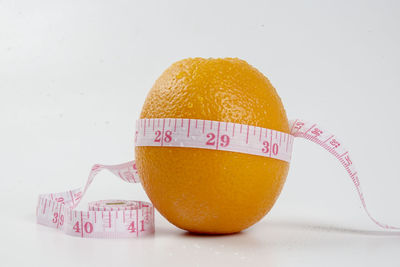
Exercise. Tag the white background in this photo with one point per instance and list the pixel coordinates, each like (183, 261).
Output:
(74, 75)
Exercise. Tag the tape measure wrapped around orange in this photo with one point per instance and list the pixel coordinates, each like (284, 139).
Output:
(203, 175)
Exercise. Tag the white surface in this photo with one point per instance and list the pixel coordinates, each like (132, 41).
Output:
(73, 77)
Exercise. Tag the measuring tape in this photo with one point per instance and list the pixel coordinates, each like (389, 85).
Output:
(128, 218)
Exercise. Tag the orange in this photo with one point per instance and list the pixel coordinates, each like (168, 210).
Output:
(208, 191)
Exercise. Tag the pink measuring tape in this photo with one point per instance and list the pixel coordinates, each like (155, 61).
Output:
(127, 218)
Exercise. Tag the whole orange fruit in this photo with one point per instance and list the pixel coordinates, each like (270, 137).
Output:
(208, 191)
